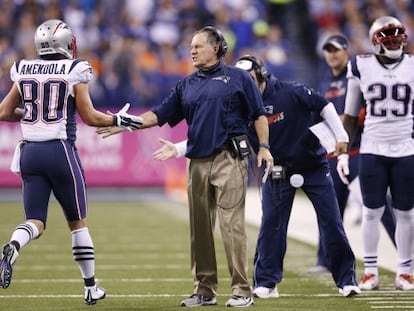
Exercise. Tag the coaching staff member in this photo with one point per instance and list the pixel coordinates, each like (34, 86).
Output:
(217, 101)
(300, 162)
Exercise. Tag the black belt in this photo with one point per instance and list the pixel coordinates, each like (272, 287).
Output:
(226, 146)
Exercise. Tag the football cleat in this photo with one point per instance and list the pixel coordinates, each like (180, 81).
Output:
(349, 290)
(404, 282)
(9, 257)
(93, 294)
(369, 282)
(265, 292)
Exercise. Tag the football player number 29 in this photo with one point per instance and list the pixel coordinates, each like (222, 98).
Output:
(43, 101)
(400, 93)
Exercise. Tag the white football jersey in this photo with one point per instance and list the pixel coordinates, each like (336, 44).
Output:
(388, 93)
(46, 89)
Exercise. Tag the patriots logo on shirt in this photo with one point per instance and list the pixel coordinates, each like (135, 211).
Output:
(225, 79)
(337, 84)
(390, 76)
(268, 109)
(88, 70)
(307, 90)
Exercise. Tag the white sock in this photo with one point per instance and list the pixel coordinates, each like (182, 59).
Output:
(24, 233)
(404, 236)
(370, 226)
(83, 252)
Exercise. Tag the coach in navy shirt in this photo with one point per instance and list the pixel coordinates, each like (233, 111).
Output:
(216, 101)
(300, 162)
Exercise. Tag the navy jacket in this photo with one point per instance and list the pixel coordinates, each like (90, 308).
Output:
(216, 103)
(289, 108)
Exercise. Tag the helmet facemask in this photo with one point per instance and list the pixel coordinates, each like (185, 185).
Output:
(389, 40)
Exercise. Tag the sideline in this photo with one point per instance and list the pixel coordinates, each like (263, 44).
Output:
(302, 225)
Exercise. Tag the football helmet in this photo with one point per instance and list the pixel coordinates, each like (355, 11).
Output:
(55, 37)
(388, 37)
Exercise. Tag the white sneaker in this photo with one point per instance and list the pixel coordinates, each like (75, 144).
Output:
(369, 282)
(239, 301)
(349, 290)
(93, 294)
(196, 300)
(265, 292)
(404, 282)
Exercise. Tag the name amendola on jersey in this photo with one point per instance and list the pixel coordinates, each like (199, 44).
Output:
(76, 69)
(43, 69)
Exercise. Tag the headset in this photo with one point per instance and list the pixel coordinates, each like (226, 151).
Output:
(221, 42)
(258, 66)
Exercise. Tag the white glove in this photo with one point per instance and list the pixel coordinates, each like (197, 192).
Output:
(125, 120)
(342, 167)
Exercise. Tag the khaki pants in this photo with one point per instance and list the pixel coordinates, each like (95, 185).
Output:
(217, 186)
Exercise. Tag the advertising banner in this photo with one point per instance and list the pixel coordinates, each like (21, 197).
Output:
(124, 159)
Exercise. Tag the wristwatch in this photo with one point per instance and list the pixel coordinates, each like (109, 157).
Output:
(267, 146)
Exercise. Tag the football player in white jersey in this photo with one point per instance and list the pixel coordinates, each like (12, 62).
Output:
(385, 79)
(44, 98)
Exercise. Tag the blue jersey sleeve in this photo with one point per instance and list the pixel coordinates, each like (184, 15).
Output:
(311, 99)
(170, 110)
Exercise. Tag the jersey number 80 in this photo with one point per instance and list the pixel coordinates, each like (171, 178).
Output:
(44, 101)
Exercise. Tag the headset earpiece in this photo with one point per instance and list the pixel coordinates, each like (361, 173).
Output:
(263, 71)
(221, 42)
(258, 67)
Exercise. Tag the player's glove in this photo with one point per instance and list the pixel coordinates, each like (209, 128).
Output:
(342, 167)
(125, 120)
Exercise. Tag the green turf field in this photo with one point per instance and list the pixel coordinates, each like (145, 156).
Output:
(142, 259)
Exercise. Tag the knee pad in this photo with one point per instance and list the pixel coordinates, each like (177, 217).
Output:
(372, 214)
(404, 217)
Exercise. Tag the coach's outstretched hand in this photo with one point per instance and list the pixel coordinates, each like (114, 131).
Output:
(167, 151)
(126, 120)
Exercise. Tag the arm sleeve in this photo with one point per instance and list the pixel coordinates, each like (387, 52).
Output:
(181, 148)
(353, 98)
(13, 71)
(331, 117)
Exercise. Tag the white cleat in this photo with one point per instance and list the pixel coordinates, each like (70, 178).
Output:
(404, 282)
(93, 294)
(369, 282)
